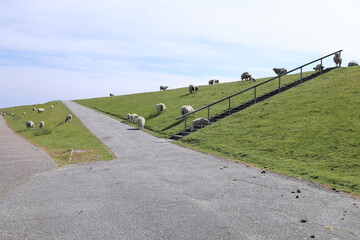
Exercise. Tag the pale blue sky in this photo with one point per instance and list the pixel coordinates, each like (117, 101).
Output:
(69, 49)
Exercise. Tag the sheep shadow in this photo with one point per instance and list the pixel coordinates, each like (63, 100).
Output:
(153, 115)
(132, 129)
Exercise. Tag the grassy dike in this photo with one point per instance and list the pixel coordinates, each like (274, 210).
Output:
(310, 131)
(66, 143)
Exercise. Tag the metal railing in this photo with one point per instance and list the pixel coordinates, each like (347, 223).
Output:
(255, 87)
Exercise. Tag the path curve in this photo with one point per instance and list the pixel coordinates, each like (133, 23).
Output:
(158, 190)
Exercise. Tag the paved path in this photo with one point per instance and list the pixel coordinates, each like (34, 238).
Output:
(20, 161)
(158, 190)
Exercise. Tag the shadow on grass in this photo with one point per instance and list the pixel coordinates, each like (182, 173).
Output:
(171, 126)
(152, 115)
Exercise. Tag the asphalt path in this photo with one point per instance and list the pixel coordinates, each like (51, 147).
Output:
(20, 161)
(155, 189)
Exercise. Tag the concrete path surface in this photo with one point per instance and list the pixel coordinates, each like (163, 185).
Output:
(158, 190)
(20, 161)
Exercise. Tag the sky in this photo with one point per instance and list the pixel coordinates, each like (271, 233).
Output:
(66, 49)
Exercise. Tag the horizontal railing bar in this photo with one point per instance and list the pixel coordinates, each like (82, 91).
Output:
(255, 86)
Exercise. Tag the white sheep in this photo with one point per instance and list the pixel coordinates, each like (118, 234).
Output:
(140, 122)
(51, 107)
(68, 118)
(280, 71)
(12, 114)
(41, 124)
(199, 122)
(245, 76)
(337, 60)
(353, 63)
(41, 110)
(24, 113)
(29, 124)
(133, 117)
(193, 88)
(34, 109)
(318, 68)
(186, 109)
(160, 107)
(163, 88)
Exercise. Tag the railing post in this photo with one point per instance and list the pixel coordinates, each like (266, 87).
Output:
(300, 75)
(209, 112)
(279, 84)
(229, 105)
(320, 66)
(185, 125)
(254, 94)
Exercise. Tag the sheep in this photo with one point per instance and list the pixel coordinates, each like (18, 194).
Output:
(112, 95)
(186, 109)
(68, 118)
(160, 107)
(140, 122)
(34, 109)
(252, 79)
(128, 116)
(24, 113)
(353, 63)
(51, 107)
(318, 68)
(337, 60)
(193, 88)
(245, 76)
(199, 122)
(163, 88)
(41, 110)
(211, 82)
(12, 114)
(29, 124)
(280, 71)
(216, 81)
(133, 117)
(41, 124)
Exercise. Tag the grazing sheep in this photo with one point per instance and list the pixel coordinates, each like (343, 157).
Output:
(318, 68)
(12, 114)
(24, 113)
(34, 108)
(353, 63)
(199, 122)
(41, 124)
(68, 118)
(193, 88)
(4, 114)
(252, 79)
(160, 107)
(337, 60)
(112, 95)
(29, 124)
(186, 109)
(133, 117)
(280, 71)
(216, 81)
(51, 107)
(211, 82)
(245, 76)
(163, 88)
(140, 122)
(41, 110)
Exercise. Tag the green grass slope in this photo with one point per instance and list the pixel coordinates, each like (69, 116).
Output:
(164, 124)
(57, 137)
(310, 131)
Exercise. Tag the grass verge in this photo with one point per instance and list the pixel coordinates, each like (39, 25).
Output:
(66, 143)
